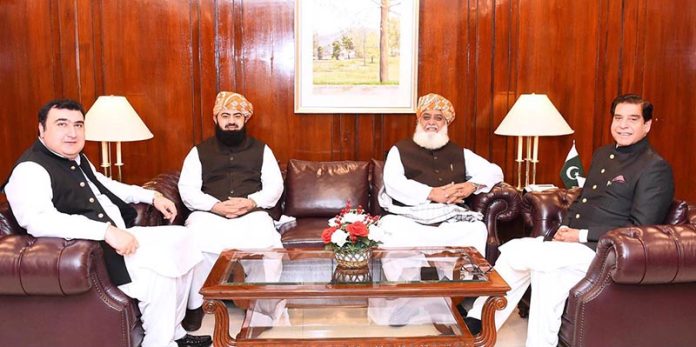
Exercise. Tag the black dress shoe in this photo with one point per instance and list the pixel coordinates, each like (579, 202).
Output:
(194, 341)
(473, 324)
(193, 319)
(462, 311)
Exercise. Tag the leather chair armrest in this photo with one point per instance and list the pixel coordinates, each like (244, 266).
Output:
(502, 203)
(543, 211)
(167, 184)
(47, 265)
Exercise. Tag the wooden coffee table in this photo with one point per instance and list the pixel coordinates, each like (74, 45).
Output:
(443, 275)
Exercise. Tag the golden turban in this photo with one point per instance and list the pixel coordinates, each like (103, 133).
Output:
(434, 101)
(233, 101)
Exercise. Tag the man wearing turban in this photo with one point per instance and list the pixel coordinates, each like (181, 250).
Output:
(428, 170)
(230, 181)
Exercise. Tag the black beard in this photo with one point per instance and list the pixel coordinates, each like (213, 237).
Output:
(230, 138)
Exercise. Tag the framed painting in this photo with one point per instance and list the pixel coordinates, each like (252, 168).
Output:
(357, 56)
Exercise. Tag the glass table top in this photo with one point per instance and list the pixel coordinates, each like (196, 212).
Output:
(316, 266)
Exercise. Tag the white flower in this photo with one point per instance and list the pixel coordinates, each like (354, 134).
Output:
(332, 222)
(375, 233)
(339, 237)
(352, 217)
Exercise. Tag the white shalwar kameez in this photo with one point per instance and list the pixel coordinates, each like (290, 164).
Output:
(160, 269)
(214, 233)
(404, 232)
(401, 231)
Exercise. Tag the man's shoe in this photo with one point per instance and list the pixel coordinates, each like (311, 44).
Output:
(473, 324)
(193, 319)
(462, 311)
(194, 341)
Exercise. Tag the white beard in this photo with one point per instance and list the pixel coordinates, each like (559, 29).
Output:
(430, 140)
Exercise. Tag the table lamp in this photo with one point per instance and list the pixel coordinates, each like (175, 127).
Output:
(113, 119)
(531, 116)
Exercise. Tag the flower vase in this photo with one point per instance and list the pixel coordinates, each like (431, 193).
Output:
(352, 258)
(359, 275)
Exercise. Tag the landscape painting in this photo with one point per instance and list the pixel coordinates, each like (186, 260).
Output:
(357, 56)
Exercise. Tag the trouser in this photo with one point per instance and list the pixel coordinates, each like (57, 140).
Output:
(162, 303)
(404, 232)
(552, 268)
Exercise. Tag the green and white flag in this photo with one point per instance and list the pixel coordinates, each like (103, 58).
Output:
(572, 169)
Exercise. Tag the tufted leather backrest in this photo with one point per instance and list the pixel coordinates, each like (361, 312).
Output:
(652, 254)
(544, 211)
(321, 189)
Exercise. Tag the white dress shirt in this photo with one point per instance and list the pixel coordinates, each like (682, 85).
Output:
(191, 183)
(411, 192)
(30, 195)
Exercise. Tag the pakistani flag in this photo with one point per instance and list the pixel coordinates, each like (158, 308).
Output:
(572, 169)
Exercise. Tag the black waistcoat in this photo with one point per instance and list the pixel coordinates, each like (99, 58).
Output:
(231, 171)
(432, 167)
(72, 195)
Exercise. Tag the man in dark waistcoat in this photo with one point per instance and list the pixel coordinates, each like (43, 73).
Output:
(425, 178)
(427, 171)
(628, 184)
(229, 181)
(54, 191)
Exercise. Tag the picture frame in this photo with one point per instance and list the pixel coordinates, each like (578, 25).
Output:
(345, 62)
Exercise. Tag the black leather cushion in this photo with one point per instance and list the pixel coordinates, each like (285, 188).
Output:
(321, 189)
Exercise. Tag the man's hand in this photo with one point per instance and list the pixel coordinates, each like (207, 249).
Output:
(452, 193)
(165, 206)
(233, 207)
(121, 240)
(566, 234)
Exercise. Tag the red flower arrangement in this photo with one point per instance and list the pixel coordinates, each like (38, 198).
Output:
(352, 229)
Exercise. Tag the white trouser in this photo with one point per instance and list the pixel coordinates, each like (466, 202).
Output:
(552, 268)
(162, 303)
(214, 233)
(161, 275)
(404, 232)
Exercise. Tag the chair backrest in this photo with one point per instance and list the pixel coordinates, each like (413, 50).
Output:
(321, 189)
(8, 223)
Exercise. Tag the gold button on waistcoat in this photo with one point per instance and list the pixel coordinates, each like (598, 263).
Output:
(594, 187)
(101, 215)
(82, 184)
(584, 200)
(611, 156)
(72, 168)
(603, 171)
(577, 216)
(91, 199)
(608, 183)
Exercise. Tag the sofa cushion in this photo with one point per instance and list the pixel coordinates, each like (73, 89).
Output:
(321, 189)
(306, 232)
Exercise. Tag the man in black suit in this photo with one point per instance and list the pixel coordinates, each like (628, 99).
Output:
(628, 184)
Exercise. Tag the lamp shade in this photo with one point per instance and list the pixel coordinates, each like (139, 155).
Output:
(113, 119)
(533, 115)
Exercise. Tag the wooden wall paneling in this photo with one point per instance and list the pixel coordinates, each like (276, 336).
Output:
(209, 68)
(608, 71)
(482, 68)
(146, 48)
(558, 57)
(669, 81)
(442, 59)
(506, 30)
(28, 73)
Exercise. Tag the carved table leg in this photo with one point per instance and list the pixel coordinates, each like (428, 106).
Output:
(488, 336)
(221, 335)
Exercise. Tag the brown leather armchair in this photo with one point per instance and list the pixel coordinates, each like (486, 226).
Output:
(56, 292)
(639, 290)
